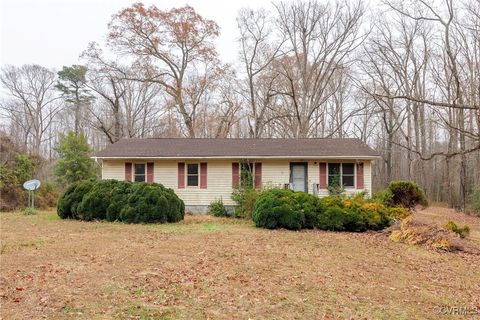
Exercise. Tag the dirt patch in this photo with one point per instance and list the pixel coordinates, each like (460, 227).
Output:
(212, 268)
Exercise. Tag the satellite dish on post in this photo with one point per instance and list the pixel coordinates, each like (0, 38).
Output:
(31, 186)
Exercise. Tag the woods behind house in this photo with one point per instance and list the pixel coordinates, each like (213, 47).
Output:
(405, 79)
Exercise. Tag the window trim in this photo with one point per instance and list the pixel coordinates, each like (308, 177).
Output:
(187, 174)
(134, 174)
(341, 174)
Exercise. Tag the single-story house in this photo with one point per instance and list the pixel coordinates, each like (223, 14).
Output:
(201, 171)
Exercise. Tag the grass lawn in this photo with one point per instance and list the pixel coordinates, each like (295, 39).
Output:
(212, 268)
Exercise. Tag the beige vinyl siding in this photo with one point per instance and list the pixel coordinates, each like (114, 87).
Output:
(313, 175)
(275, 173)
(219, 182)
(166, 173)
(113, 170)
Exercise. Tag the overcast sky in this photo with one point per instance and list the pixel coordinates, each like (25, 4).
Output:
(53, 33)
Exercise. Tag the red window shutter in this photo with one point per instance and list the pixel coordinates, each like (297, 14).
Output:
(181, 175)
(203, 175)
(360, 184)
(258, 174)
(150, 172)
(128, 171)
(323, 175)
(235, 176)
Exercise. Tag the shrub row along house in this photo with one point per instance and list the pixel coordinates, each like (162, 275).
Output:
(201, 171)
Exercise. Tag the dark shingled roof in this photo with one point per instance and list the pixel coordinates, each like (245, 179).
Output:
(237, 148)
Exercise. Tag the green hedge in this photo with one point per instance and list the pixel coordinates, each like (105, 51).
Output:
(152, 203)
(96, 201)
(122, 201)
(402, 193)
(279, 208)
(71, 198)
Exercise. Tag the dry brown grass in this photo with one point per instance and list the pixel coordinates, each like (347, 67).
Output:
(212, 268)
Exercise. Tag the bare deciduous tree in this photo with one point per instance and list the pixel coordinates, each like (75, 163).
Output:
(259, 46)
(31, 105)
(319, 39)
(177, 47)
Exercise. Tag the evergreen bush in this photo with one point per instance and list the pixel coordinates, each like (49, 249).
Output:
(72, 197)
(218, 209)
(279, 208)
(95, 202)
(283, 208)
(406, 194)
(332, 219)
(121, 200)
(152, 202)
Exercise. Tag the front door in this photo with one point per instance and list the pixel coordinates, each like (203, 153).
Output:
(298, 176)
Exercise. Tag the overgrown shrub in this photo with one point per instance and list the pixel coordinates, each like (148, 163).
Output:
(383, 196)
(279, 208)
(375, 216)
(406, 194)
(152, 202)
(72, 197)
(475, 200)
(121, 200)
(310, 206)
(282, 208)
(218, 209)
(245, 198)
(118, 198)
(95, 202)
(461, 231)
(399, 213)
(46, 196)
(16, 167)
(360, 214)
(332, 201)
(332, 219)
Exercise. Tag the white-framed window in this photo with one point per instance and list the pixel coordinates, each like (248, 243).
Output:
(139, 172)
(193, 174)
(342, 173)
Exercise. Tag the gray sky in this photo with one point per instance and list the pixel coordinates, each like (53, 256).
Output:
(53, 33)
